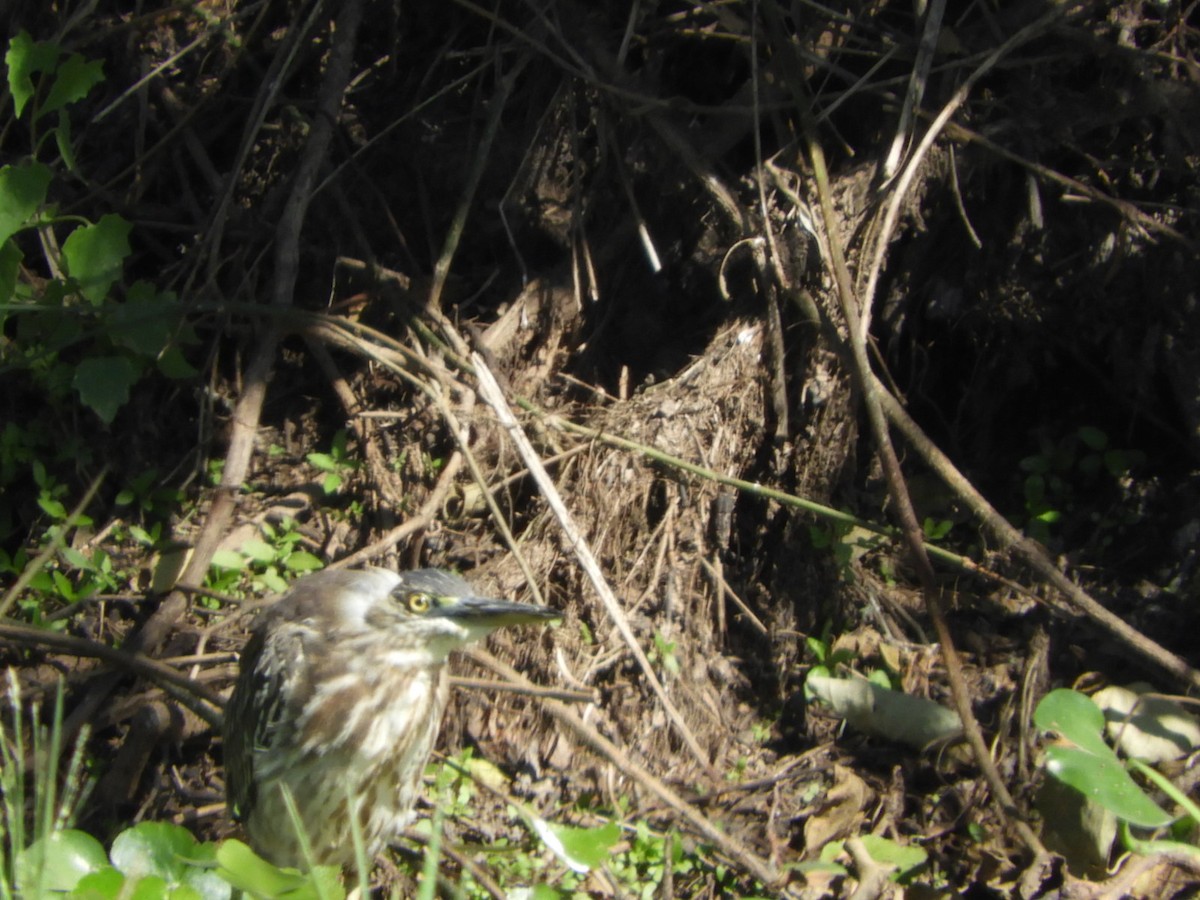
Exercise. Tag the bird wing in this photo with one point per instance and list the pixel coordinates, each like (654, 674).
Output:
(259, 717)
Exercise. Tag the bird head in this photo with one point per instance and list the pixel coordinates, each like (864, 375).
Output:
(433, 611)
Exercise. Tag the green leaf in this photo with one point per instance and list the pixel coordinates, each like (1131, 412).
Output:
(1035, 465)
(62, 139)
(22, 191)
(24, 58)
(103, 383)
(57, 862)
(172, 363)
(170, 852)
(229, 559)
(1075, 717)
(52, 507)
(881, 678)
(145, 321)
(303, 561)
(259, 551)
(936, 529)
(323, 461)
(582, 849)
(249, 872)
(75, 77)
(907, 860)
(1094, 438)
(272, 580)
(1106, 782)
(1117, 462)
(1087, 763)
(106, 884)
(95, 255)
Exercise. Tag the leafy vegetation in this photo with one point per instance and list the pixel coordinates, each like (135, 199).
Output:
(1080, 757)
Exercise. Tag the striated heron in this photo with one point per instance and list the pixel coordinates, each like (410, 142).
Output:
(339, 699)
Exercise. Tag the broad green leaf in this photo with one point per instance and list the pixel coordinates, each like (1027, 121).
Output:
(160, 850)
(303, 561)
(22, 191)
(323, 461)
(259, 551)
(24, 58)
(1105, 781)
(103, 383)
(1087, 763)
(1075, 717)
(52, 507)
(1093, 437)
(880, 678)
(145, 321)
(57, 862)
(906, 858)
(172, 363)
(229, 559)
(74, 78)
(95, 255)
(106, 884)
(272, 580)
(249, 872)
(582, 849)
(62, 139)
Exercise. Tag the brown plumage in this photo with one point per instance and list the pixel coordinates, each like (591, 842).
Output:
(339, 698)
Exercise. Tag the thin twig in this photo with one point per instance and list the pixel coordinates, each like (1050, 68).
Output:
(138, 663)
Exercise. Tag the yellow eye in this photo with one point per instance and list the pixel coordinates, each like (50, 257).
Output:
(418, 602)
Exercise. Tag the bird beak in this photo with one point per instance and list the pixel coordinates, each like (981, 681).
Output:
(489, 613)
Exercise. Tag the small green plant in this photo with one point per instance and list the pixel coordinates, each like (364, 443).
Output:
(834, 663)
(849, 543)
(1064, 471)
(664, 654)
(935, 529)
(148, 497)
(336, 464)
(1081, 758)
(264, 562)
(826, 660)
(905, 861)
(64, 575)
